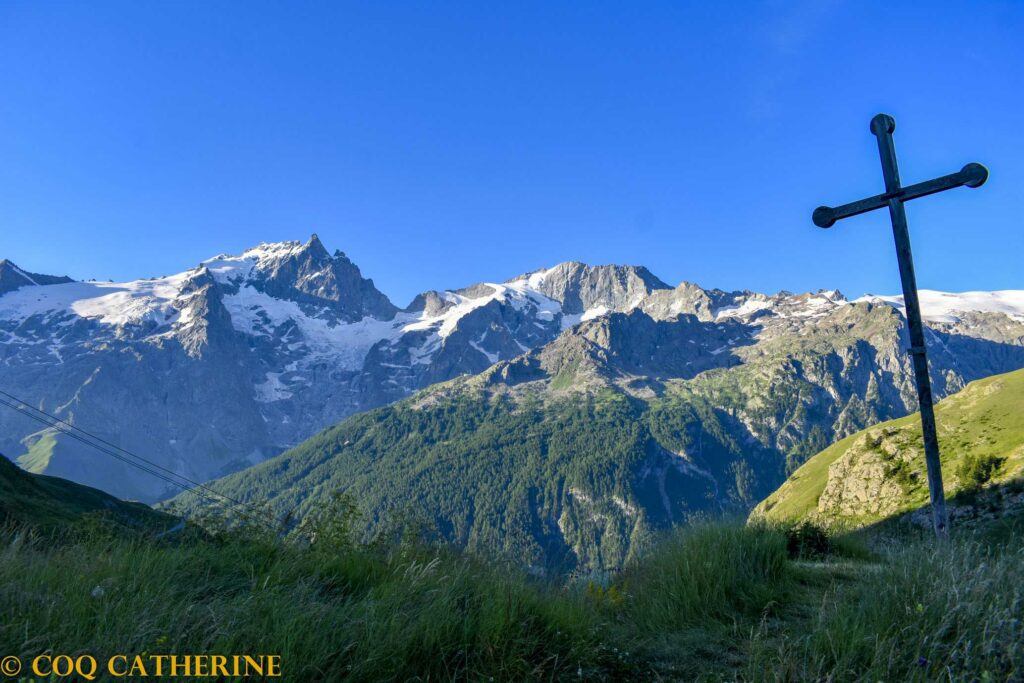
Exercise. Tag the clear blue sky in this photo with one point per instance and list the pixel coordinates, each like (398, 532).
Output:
(440, 144)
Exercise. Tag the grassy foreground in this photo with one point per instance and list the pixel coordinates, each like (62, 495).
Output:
(716, 601)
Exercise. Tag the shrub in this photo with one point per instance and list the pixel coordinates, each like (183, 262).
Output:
(976, 470)
(807, 540)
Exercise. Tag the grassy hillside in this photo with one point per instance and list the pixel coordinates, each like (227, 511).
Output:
(712, 602)
(880, 473)
(53, 502)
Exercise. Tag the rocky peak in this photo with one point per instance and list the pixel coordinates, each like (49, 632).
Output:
(203, 321)
(628, 345)
(430, 304)
(309, 275)
(579, 287)
(638, 344)
(12, 277)
(665, 304)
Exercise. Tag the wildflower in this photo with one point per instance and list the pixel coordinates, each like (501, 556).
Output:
(922, 662)
(98, 592)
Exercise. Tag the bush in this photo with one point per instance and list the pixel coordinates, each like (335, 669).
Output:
(807, 540)
(976, 470)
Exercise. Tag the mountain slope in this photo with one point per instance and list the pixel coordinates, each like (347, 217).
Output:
(51, 502)
(575, 481)
(573, 454)
(879, 472)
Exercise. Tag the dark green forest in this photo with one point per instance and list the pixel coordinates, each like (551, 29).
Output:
(579, 482)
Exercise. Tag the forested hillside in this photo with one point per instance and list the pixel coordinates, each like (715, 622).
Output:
(570, 456)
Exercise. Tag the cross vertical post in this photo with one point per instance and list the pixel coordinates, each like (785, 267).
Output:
(883, 126)
(971, 175)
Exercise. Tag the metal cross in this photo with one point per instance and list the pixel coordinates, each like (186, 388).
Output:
(971, 175)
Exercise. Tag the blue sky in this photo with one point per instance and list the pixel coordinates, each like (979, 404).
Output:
(440, 144)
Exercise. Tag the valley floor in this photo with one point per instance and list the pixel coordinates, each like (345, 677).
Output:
(716, 601)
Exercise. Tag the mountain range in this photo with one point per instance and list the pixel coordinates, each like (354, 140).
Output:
(561, 416)
(229, 363)
(241, 357)
(683, 399)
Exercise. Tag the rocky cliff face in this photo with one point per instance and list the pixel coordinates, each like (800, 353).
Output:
(12, 277)
(866, 481)
(580, 288)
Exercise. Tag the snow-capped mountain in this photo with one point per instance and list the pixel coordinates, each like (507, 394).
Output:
(231, 362)
(12, 277)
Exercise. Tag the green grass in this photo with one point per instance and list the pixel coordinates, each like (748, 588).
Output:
(981, 440)
(365, 614)
(924, 613)
(566, 377)
(709, 573)
(342, 610)
(714, 601)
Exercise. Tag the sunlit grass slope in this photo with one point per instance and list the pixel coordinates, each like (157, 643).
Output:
(880, 472)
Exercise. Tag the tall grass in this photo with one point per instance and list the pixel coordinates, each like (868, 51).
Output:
(715, 601)
(708, 572)
(689, 606)
(926, 612)
(373, 614)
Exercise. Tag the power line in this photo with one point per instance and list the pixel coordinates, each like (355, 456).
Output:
(75, 428)
(155, 473)
(149, 467)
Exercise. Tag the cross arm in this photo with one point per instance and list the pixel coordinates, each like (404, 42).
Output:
(971, 175)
